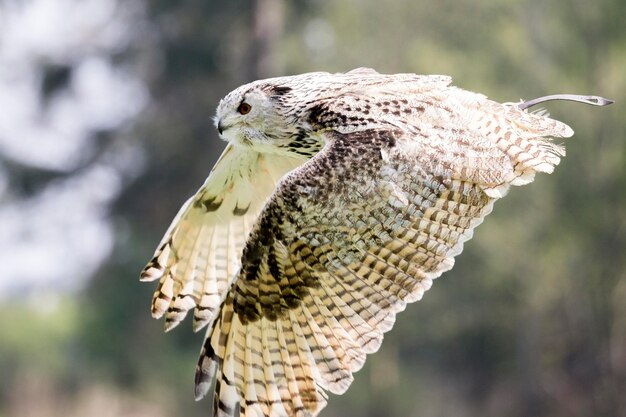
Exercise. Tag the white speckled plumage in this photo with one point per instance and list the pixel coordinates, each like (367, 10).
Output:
(338, 200)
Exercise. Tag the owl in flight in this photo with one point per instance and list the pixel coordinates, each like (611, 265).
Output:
(337, 201)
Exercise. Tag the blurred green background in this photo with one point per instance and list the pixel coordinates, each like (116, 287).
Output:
(105, 129)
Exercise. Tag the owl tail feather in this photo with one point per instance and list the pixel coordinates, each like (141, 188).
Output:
(593, 100)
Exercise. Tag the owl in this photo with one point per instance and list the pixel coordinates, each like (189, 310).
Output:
(338, 199)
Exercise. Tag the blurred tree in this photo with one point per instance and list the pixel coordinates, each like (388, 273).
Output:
(497, 335)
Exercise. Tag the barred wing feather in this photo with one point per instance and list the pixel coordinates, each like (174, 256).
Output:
(201, 251)
(344, 243)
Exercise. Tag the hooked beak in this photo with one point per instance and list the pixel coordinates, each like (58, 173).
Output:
(220, 127)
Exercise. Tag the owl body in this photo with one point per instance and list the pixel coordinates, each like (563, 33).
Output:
(338, 199)
(292, 113)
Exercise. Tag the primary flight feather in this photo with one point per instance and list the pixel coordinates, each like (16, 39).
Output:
(338, 199)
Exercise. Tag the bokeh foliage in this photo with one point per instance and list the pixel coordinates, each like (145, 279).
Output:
(530, 322)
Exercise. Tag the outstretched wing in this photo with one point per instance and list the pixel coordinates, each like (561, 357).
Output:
(201, 251)
(345, 242)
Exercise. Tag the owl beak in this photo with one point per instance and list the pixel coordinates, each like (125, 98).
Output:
(220, 127)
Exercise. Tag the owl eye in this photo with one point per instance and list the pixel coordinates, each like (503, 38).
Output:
(244, 108)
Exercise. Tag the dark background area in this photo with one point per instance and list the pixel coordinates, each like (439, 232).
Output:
(530, 322)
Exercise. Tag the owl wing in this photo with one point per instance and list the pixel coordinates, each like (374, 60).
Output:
(346, 241)
(201, 251)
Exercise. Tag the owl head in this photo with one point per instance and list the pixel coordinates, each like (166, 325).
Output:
(258, 115)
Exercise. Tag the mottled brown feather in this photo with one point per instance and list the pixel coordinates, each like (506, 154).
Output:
(380, 214)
